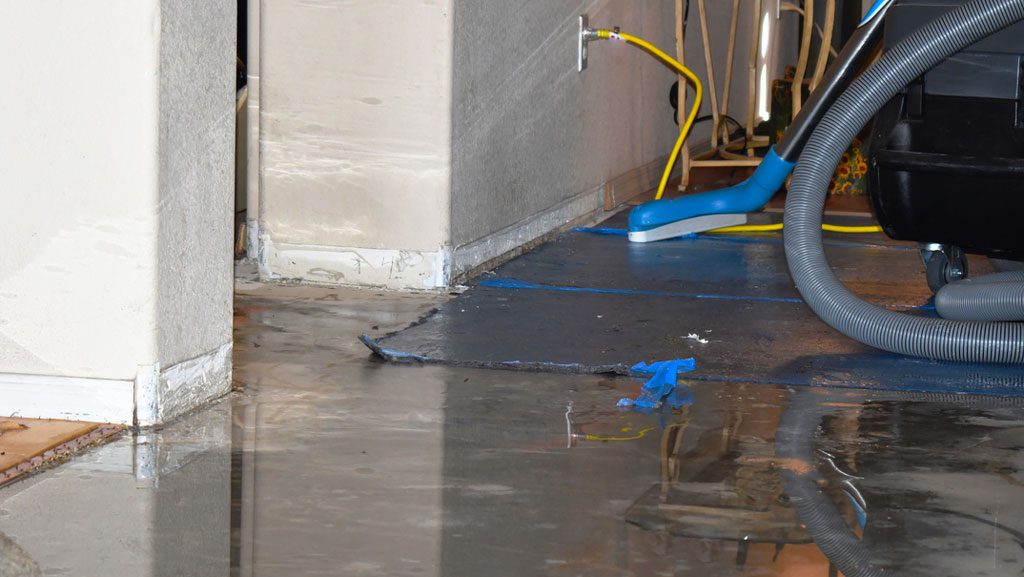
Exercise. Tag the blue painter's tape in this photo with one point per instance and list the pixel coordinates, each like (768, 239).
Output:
(603, 231)
(510, 283)
(748, 196)
(662, 386)
(399, 355)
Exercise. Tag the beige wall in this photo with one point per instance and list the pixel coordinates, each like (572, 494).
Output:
(78, 171)
(115, 170)
(355, 120)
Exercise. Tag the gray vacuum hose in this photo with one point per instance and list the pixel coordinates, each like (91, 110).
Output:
(830, 299)
(794, 443)
(994, 297)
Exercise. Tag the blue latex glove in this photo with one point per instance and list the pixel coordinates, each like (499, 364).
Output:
(662, 385)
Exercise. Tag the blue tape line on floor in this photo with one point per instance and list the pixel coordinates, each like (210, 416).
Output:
(603, 231)
(508, 283)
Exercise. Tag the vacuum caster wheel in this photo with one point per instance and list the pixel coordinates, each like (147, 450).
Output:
(944, 265)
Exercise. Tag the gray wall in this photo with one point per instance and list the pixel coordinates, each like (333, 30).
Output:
(197, 130)
(530, 134)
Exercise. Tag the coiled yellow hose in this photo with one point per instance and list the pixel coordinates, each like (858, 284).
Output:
(777, 227)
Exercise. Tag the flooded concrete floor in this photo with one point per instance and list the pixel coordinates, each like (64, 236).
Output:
(328, 462)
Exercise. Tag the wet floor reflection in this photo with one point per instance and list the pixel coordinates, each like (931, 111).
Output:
(749, 479)
(158, 504)
(330, 463)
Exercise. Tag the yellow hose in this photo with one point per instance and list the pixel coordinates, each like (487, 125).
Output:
(777, 227)
(684, 133)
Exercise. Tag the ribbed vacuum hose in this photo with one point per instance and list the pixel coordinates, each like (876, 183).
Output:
(994, 297)
(830, 299)
(794, 443)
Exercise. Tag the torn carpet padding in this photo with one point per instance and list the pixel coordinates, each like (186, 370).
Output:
(591, 302)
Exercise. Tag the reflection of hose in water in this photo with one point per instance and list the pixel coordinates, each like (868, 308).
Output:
(794, 443)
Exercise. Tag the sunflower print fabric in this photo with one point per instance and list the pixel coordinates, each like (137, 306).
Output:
(852, 172)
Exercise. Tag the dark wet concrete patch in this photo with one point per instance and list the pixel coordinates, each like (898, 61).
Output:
(591, 302)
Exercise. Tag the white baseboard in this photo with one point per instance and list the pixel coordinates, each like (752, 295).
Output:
(156, 396)
(68, 398)
(396, 269)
